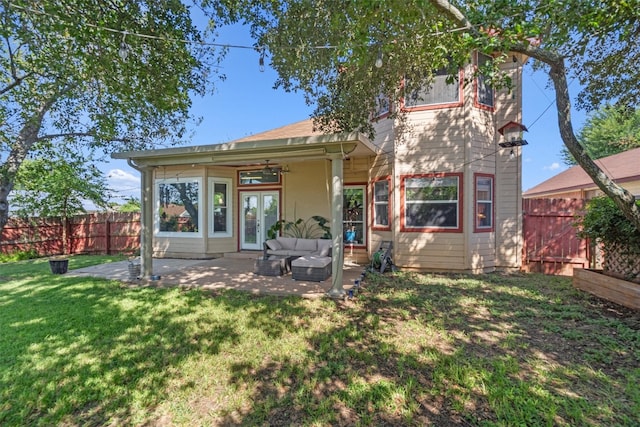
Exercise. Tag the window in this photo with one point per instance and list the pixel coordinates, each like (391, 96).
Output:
(484, 202)
(383, 107)
(354, 215)
(381, 203)
(220, 212)
(484, 91)
(268, 175)
(440, 93)
(177, 205)
(432, 202)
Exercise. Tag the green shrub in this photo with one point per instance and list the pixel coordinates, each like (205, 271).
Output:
(604, 222)
(19, 255)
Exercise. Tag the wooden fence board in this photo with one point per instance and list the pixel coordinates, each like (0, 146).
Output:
(98, 233)
(551, 244)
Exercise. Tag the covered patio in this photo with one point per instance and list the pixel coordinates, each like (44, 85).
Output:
(298, 145)
(233, 272)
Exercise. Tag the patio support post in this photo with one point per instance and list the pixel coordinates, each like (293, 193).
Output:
(337, 260)
(146, 223)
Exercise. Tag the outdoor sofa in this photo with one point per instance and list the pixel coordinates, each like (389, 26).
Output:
(297, 247)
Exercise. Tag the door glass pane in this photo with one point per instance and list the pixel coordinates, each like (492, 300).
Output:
(270, 211)
(250, 211)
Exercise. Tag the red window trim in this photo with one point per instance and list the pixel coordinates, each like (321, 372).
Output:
(477, 229)
(403, 226)
(373, 206)
(476, 102)
(443, 105)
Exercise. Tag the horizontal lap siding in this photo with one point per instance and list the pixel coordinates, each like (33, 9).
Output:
(430, 251)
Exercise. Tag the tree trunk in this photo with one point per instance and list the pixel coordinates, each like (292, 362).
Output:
(27, 137)
(621, 197)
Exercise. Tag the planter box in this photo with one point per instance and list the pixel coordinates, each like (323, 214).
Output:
(59, 266)
(610, 288)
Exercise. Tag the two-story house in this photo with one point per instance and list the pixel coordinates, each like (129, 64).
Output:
(444, 187)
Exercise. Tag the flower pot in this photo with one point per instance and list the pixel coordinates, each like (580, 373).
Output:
(59, 266)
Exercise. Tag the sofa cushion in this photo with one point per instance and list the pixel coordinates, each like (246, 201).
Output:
(311, 261)
(273, 244)
(287, 242)
(324, 247)
(306, 245)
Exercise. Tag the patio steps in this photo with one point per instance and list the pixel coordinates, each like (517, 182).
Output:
(243, 254)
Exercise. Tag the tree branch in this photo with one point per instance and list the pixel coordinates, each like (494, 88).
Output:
(621, 197)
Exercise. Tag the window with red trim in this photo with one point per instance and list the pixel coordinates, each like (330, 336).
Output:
(484, 91)
(483, 202)
(443, 91)
(432, 202)
(381, 197)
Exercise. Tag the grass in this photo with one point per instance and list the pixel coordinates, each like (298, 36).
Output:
(410, 349)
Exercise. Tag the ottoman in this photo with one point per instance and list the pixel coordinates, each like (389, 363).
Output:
(270, 266)
(312, 268)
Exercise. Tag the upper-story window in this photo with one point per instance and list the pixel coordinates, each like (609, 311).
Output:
(444, 91)
(484, 91)
(383, 106)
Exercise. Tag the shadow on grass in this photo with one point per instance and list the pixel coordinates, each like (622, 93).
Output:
(456, 350)
(409, 350)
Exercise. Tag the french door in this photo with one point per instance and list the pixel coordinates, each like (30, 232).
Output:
(259, 211)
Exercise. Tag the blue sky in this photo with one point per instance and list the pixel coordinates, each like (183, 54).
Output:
(246, 103)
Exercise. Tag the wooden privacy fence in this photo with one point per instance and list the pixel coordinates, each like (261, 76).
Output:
(551, 244)
(98, 233)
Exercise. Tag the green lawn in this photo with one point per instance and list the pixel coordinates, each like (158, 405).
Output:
(408, 350)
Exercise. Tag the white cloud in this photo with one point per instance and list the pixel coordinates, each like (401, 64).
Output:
(553, 166)
(123, 184)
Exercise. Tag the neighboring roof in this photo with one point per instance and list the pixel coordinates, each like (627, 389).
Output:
(621, 167)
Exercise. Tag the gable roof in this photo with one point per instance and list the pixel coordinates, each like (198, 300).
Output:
(621, 167)
(303, 128)
(295, 141)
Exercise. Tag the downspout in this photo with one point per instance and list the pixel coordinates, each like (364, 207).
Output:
(146, 219)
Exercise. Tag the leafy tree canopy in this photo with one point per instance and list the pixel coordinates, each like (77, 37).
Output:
(63, 79)
(131, 205)
(608, 131)
(50, 187)
(328, 50)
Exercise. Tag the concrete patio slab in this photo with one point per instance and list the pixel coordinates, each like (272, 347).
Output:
(218, 274)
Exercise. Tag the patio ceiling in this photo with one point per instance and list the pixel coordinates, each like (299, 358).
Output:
(246, 152)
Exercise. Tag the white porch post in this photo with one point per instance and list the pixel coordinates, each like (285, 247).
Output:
(146, 223)
(337, 261)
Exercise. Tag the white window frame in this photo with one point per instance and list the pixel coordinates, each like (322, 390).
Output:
(156, 214)
(211, 207)
(386, 203)
(489, 202)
